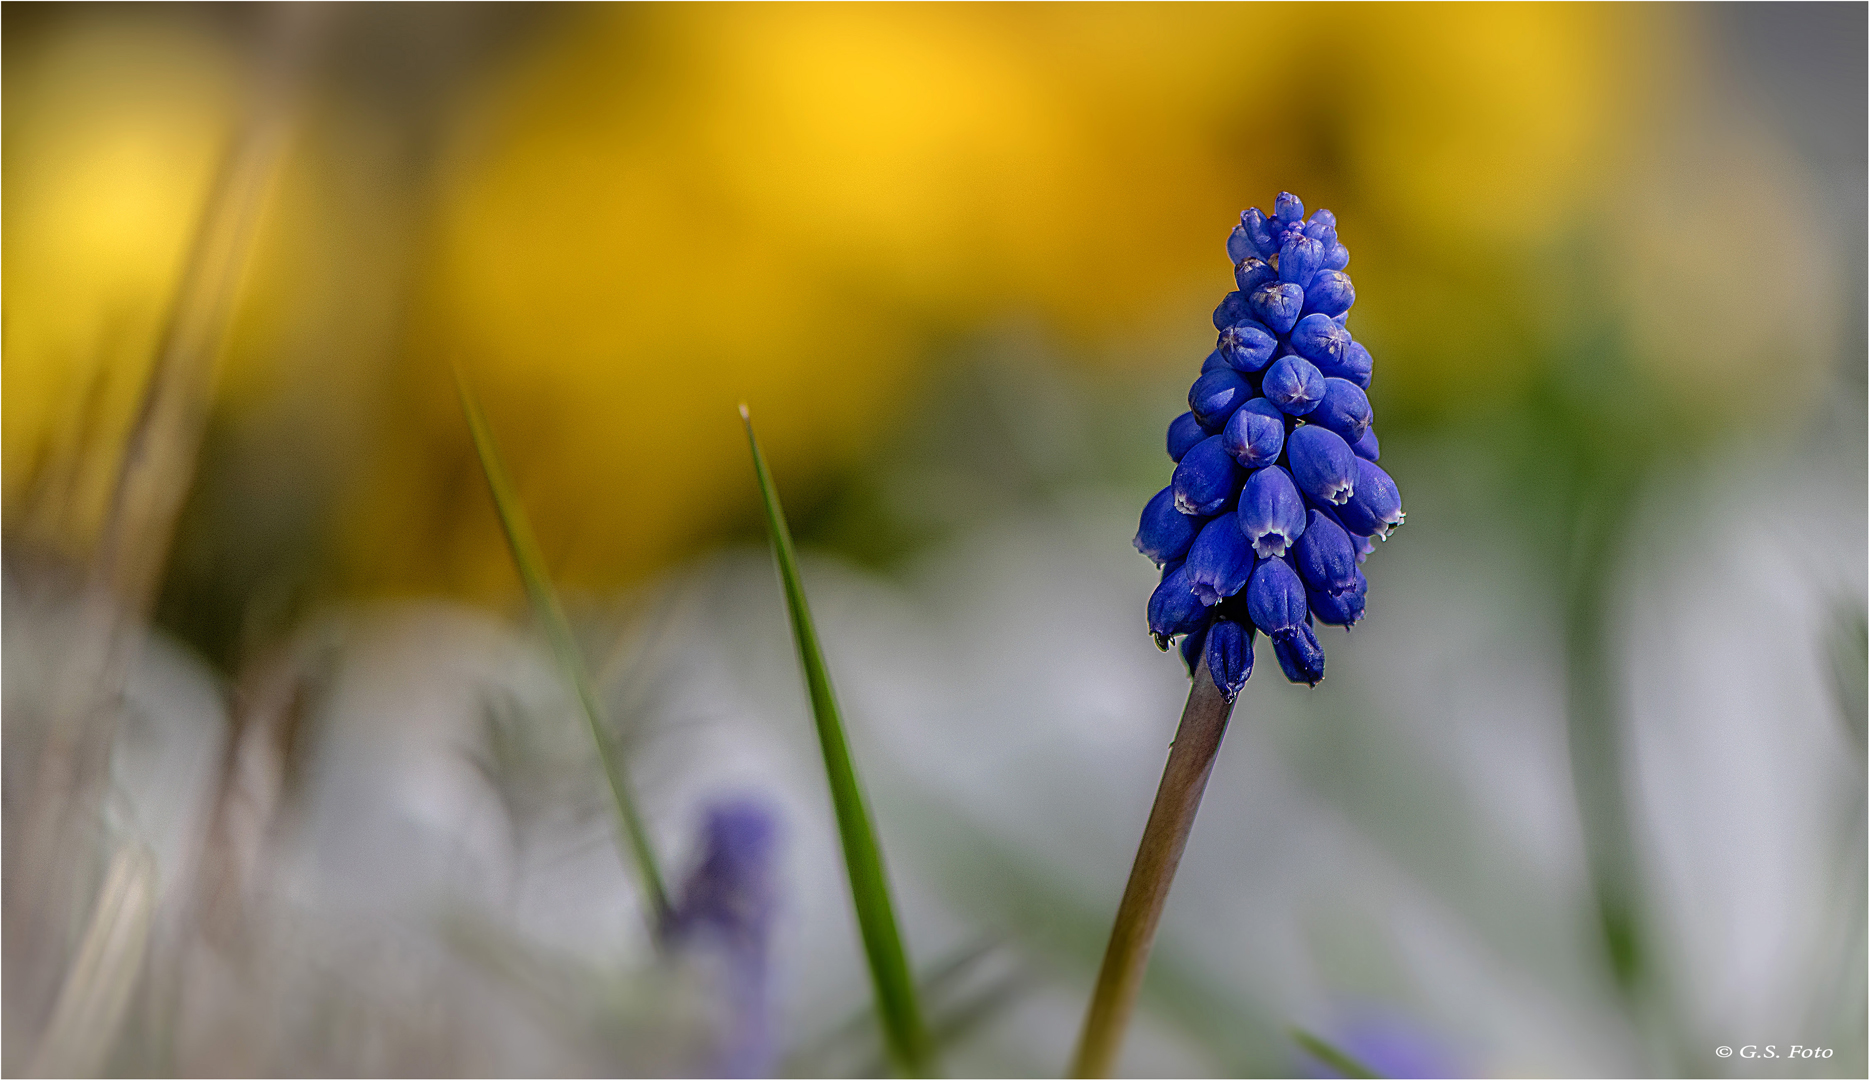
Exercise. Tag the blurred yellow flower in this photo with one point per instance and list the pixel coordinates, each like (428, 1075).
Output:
(111, 138)
(653, 213)
(664, 211)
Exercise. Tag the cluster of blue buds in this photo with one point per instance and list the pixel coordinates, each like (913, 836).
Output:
(1276, 497)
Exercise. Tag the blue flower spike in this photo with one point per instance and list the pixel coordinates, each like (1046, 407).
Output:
(1298, 260)
(1294, 384)
(1165, 533)
(1233, 307)
(1320, 339)
(1173, 608)
(1323, 464)
(1277, 304)
(1258, 233)
(1255, 436)
(1354, 367)
(1271, 512)
(1219, 561)
(1375, 507)
(1206, 479)
(1252, 272)
(1344, 410)
(1288, 210)
(1276, 499)
(1229, 655)
(1330, 293)
(1216, 394)
(1193, 646)
(1325, 555)
(1246, 346)
(1183, 432)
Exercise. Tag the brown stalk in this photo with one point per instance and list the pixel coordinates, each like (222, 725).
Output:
(1184, 780)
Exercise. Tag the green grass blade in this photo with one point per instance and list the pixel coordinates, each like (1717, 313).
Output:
(544, 599)
(1329, 1055)
(897, 1006)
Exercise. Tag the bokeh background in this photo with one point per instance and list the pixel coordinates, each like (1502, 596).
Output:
(1584, 795)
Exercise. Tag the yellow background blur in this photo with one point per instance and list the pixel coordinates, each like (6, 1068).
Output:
(622, 221)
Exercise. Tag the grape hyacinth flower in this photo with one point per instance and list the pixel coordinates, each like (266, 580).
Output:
(723, 920)
(1275, 501)
(1277, 439)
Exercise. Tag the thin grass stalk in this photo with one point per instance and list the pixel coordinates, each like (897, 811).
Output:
(1164, 838)
(158, 461)
(95, 994)
(545, 606)
(897, 1004)
(153, 472)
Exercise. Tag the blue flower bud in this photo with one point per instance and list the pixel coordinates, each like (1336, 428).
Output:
(1325, 555)
(1344, 410)
(1287, 208)
(1252, 273)
(1229, 656)
(1240, 245)
(1300, 656)
(1329, 293)
(1275, 598)
(1294, 384)
(1174, 609)
(1336, 257)
(1193, 645)
(1220, 560)
(1246, 345)
(1366, 447)
(1183, 432)
(1206, 478)
(1232, 309)
(1216, 361)
(1354, 366)
(1324, 234)
(1320, 339)
(1255, 436)
(1216, 394)
(1321, 218)
(1300, 258)
(1165, 533)
(1271, 512)
(1343, 607)
(1375, 507)
(1277, 306)
(1259, 232)
(1322, 463)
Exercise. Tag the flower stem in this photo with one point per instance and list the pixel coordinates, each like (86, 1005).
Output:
(1184, 779)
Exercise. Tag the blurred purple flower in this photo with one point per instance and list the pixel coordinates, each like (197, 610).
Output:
(725, 914)
(1388, 1044)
